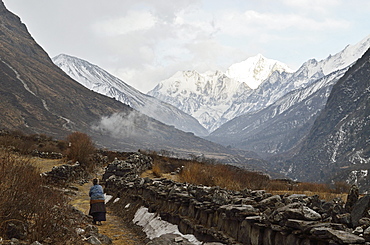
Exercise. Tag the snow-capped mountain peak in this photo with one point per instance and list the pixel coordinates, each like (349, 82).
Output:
(204, 96)
(255, 70)
(209, 95)
(100, 81)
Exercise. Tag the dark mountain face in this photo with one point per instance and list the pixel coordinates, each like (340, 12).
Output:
(38, 97)
(280, 126)
(339, 140)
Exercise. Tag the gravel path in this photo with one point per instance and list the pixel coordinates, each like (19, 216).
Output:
(115, 228)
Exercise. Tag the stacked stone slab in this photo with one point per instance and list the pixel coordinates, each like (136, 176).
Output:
(65, 173)
(253, 217)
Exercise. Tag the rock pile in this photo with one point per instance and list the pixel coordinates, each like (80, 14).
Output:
(255, 217)
(129, 168)
(71, 172)
(47, 155)
(65, 173)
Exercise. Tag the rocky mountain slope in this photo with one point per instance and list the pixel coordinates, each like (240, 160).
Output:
(38, 97)
(281, 83)
(100, 81)
(280, 126)
(338, 142)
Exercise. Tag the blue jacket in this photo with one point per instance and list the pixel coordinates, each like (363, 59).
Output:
(96, 192)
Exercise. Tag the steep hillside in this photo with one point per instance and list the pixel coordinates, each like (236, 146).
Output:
(280, 126)
(339, 139)
(100, 81)
(38, 97)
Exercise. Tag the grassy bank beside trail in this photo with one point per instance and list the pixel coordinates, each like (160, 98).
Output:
(32, 208)
(233, 178)
(29, 208)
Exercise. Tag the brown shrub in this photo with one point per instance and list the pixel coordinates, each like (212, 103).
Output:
(80, 148)
(25, 199)
(156, 169)
(341, 187)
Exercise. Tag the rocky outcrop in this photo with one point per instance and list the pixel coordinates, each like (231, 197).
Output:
(214, 214)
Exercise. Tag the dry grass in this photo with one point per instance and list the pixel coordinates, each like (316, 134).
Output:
(328, 196)
(25, 144)
(225, 176)
(45, 165)
(229, 177)
(26, 200)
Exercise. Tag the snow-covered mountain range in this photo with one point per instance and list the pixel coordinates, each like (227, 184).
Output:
(100, 81)
(214, 98)
(280, 126)
(208, 96)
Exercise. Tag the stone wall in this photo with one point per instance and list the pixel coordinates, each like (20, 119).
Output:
(248, 217)
(71, 172)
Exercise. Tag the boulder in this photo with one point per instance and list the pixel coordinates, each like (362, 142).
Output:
(359, 210)
(93, 240)
(341, 237)
(352, 198)
(270, 201)
(295, 211)
(168, 239)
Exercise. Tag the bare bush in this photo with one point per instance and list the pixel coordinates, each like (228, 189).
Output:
(80, 149)
(156, 169)
(26, 200)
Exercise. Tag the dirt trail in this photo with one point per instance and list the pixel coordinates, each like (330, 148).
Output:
(115, 228)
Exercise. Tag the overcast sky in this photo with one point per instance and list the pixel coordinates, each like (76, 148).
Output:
(146, 41)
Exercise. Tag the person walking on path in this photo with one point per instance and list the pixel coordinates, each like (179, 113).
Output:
(97, 203)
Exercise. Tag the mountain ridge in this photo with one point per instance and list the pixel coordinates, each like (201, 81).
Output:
(280, 126)
(253, 71)
(95, 78)
(339, 139)
(194, 93)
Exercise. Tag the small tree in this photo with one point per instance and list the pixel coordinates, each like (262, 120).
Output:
(80, 148)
